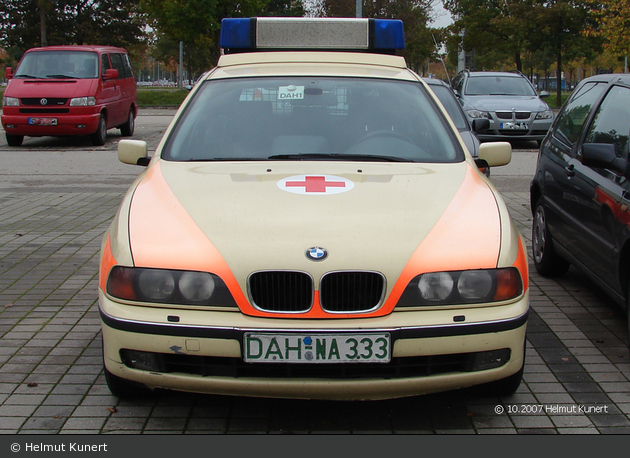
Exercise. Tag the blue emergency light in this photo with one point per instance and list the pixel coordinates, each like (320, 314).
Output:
(248, 34)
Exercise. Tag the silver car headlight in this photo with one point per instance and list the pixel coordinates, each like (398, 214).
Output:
(10, 102)
(462, 287)
(83, 102)
(547, 114)
(478, 114)
(165, 286)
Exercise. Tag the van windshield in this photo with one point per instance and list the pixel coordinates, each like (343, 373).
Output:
(58, 64)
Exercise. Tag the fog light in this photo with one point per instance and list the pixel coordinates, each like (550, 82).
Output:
(80, 126)
(10, 126)
(490, 359)
(142, 360)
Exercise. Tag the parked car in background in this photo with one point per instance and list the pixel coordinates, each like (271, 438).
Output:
(580, 195)
(69, 90)
(468, 129)
(508, 100)
(312, 226)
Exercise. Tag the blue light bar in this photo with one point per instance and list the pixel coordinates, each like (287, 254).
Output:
(240, 34)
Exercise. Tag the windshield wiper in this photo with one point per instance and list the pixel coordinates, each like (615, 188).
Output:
(22, 75)
(337, 156)
(60, 76)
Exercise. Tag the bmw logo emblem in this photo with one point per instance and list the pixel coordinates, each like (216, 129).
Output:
(316, 254)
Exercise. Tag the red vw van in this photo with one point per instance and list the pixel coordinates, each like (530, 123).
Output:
(70, 90)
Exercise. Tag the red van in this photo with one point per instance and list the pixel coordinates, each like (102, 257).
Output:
(70, 90)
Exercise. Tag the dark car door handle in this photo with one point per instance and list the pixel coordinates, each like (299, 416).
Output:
(569, 170)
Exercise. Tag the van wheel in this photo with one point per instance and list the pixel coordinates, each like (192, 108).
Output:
(127, 129)
(99, 137)
(547, 262)
(15, 140)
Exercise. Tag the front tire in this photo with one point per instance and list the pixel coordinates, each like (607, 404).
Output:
(547, 262)
(127, 129)
(100, 136)
(15, 140)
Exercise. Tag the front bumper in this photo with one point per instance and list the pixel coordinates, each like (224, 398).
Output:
(80, 121)
(206, 358)
(536, 129)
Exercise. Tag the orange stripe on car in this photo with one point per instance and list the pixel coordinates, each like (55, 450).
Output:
(182, 244)
(107, 262)
(467, 236)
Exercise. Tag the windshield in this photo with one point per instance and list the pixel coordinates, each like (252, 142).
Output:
(451, 105)
(58, 64)
(498, 85)
(299, 118)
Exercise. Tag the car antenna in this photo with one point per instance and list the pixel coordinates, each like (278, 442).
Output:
(437, 50)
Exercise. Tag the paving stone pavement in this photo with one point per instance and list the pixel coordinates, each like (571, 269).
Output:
(577, 375)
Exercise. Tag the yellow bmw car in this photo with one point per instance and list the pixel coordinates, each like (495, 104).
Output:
(312, 226)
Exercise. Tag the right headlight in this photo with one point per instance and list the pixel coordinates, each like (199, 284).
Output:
(547, 114)
(165, 286)
(10, 102)
(478, 114)
(462, 287)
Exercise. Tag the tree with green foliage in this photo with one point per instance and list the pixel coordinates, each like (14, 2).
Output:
(29, 23)
(197, 24)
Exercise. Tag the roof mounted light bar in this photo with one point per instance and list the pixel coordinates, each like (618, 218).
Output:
(273, 33)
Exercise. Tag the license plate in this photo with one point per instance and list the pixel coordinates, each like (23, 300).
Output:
(42, 121)
(317, 348)
(514, 125)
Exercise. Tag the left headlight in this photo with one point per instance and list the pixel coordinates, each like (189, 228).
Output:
(168, 287)
(547, 114)
(83, 102)
(462, 287)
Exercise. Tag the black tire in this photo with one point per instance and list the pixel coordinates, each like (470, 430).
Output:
(127, 129)
(15, 140)
(100, 136)
(547, 262)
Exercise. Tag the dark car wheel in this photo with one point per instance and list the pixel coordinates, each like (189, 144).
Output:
(547, 262)
(15, 140)
(100, 136)
(127, 129)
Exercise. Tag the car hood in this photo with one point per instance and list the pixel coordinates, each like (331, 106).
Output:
(507, 103)
(236, 219)
(42, 88)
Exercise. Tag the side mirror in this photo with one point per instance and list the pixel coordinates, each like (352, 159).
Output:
(544, 94)
(603, 155)
(110, 74)
(495, 153)
(8, 73)
(480, 124)
(134, 152)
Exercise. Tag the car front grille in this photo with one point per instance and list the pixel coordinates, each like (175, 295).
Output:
(293, 292)
(513, 114)
(43, 110)
(281, 291)
(50, 102)
(351, 291)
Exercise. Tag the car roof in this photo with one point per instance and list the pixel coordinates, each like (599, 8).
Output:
(609, 77)
(515, 75)
(435, 82)
(94, 48)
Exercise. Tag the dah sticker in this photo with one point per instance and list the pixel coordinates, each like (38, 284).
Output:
(322, 185)
(290, 92)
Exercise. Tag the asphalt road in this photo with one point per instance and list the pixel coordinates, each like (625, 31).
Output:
(56, 199)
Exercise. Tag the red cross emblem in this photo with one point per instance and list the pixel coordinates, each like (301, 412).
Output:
(318, 184)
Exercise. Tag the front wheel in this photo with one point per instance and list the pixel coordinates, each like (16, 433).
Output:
(127, 129)
(100, 136)
(15, 140)
(547, 262)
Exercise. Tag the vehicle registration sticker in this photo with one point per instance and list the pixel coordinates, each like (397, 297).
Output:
(317, 348)
(42, 121)
(514, 125)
